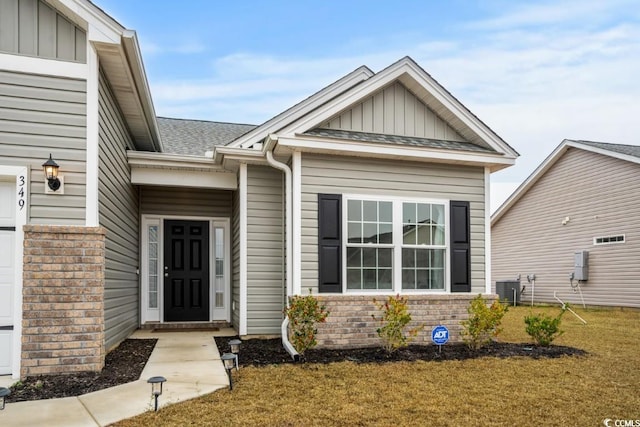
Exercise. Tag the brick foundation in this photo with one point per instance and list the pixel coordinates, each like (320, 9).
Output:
(63, 300)
(350, 322)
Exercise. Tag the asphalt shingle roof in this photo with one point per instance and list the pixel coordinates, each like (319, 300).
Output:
(629, 150)
(195, 137)
(398, 140)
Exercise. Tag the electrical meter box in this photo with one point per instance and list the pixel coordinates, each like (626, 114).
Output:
(581, 265)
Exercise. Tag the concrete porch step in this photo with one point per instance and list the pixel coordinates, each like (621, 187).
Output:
(185, 326)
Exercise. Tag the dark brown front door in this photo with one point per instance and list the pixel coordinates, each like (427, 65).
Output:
(186, 281)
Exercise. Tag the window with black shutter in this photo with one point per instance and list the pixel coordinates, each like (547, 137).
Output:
(329, 243)
(460, 241)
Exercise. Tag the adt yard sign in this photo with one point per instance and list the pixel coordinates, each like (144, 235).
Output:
(440, 335)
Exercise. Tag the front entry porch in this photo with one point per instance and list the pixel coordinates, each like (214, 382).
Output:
(185, 274)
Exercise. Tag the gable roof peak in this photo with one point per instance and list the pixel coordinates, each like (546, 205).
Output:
(630, 153)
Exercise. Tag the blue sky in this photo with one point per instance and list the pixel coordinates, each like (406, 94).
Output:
(536, 72)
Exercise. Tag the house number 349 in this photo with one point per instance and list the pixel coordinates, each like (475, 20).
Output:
(21, 194)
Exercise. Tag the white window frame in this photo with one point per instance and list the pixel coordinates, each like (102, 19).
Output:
(596, 243)
(397, 245)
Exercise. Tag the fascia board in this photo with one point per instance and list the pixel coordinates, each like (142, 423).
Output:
(458, 109)
(134, 56)
(531, 180)
(342, 102)
(604, 152)
(316, 100)
(377, 150)
(157, 160)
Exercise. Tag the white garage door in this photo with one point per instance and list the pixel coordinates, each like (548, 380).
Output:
(7, 272)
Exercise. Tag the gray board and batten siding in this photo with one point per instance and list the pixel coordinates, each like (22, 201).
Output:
(265, 250)
(40, 115)
(393, 110)
(354, 175)
(118, 214)
(33, 28)
(601, 197)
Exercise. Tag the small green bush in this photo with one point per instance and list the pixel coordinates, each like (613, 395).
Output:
(303, 313)
(483, 323)
(394, 319)
(544, 328)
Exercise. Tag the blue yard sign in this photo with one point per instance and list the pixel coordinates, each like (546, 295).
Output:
(440, 335)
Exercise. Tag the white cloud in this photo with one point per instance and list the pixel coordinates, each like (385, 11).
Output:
(536, 74)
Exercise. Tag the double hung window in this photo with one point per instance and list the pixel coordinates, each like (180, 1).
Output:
(395, 245)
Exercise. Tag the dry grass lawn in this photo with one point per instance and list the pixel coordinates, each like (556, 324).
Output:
(569, 391)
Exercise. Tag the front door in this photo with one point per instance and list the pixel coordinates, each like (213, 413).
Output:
(186, 271)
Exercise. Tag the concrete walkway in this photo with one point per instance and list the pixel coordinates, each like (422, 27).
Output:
(188, 360)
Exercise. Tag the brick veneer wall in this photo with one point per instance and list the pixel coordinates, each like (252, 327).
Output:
(350, 322)
(63, 300)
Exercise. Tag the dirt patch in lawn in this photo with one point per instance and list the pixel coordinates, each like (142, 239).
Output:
(261, 352)
(122, 365)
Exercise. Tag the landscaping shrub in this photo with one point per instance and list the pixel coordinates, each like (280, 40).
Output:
(483, 323)
(395, 318)
(303, 313)
(544, 328)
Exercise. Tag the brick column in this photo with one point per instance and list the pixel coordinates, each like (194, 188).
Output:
(63, 300)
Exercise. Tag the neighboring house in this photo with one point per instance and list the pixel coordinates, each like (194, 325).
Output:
(378, 184)
(583, 197)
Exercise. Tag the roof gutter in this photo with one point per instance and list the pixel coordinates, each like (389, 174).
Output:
(268, 151)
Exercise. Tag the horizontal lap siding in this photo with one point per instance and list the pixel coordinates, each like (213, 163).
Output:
(31, 27)
(265, 270)
(118, 209)
(601, 196)
(185, 202)
(41, 115)
(343, 175)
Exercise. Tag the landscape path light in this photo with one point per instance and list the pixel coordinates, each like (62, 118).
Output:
(4, 392)
(235, 349)
(229, 360)
(156, 388)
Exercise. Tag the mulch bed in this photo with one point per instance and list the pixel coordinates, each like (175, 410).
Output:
(125, 363)
(122, 365)
(261, 352)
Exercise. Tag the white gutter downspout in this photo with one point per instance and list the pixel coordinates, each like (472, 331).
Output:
(271, 140)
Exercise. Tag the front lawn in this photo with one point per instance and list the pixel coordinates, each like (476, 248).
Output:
(567, 391)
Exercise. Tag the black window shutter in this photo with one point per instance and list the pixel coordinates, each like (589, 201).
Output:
(329, 243)
(460, 246)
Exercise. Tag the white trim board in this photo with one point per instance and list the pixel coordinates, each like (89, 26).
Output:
(21, 176)
(242, 328)
(47, 67)
(93, 138)
(377, 150)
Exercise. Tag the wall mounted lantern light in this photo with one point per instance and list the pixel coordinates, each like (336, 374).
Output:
(51, 173)
(156, 388)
